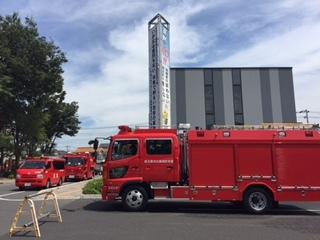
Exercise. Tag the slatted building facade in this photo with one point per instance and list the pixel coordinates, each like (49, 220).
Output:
(232, 96)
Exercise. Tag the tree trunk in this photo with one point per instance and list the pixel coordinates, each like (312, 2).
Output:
(1, 157)
(1, 160)
(51, 145)
(17, 155)
(17, 150)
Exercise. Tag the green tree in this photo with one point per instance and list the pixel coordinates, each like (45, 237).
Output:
(31, 76)
(6, 147)
(63, 120)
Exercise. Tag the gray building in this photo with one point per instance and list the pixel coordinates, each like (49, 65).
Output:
(232, 96)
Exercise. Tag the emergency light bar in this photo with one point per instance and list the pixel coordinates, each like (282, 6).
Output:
(184, 125)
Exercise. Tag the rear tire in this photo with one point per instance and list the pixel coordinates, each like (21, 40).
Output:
(21, 188)
(48, 185)
(60, 182)
(134, 198)
(257, 200)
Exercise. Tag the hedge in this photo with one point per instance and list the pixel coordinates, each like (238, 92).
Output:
(93, 187)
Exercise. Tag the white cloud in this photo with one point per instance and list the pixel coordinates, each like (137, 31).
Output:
(120, 95)
(298, 47)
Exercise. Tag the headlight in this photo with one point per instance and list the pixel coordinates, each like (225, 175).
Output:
(40, 176)
(118, 172)
(18, 176)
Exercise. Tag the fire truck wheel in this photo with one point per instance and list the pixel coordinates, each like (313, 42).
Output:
(257, 200)
(60, 182)
(134, 198)
(48, 185)
(21, 188)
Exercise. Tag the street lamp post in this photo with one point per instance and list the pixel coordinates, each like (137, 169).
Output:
(306, 112)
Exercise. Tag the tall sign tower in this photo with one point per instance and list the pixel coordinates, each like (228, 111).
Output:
(159, 72)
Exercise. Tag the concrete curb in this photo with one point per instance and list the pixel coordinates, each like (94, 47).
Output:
(6, 181)
(91, 196)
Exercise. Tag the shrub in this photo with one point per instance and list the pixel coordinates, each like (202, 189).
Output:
(93, 187)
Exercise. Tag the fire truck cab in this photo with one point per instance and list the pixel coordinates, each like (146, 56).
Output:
(258, 167)
(79, 166)
(41, 172)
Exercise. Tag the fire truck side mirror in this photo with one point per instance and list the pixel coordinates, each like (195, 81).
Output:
(95, 143)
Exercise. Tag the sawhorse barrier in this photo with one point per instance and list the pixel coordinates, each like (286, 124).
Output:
(33, 226)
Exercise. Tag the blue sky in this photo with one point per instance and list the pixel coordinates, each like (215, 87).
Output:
(106, 44)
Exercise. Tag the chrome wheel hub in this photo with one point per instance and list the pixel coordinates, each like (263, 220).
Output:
(134, 198)
(257, 201)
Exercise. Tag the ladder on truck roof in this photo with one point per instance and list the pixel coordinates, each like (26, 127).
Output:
(268, 126)
(263, 126)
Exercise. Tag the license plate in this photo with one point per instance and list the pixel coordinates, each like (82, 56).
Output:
(71, 176)
(27, 184)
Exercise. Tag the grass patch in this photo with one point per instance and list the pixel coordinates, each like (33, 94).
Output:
(93, 187)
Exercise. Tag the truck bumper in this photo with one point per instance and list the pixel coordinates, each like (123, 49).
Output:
(31, 183)
(75, 177)
(109, 194)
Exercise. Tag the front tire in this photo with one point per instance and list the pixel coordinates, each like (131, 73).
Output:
(48, 185)
(134, 198)
(60, 182)
(258, 200)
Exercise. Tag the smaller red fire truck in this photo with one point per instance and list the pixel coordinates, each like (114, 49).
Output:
(79, 166)
(41, 172)
(258, 167)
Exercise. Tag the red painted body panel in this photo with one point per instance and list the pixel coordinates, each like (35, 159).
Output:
(255, 159)
(223, 164)
(211, 164)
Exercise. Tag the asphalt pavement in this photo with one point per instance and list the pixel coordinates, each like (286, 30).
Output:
(96, 219)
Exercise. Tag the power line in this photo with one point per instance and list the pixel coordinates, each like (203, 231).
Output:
(310, 111)
(110, 127)
(98, 128)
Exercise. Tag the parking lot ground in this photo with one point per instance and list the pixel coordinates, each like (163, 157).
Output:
(95, 219)
(6, 181)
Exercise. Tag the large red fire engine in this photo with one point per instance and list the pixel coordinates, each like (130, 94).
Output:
(258, 167)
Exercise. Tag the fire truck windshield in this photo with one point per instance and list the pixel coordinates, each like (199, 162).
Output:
(124, 149)
(75, 162)
(33, 165)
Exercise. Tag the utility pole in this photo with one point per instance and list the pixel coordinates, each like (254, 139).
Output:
(306, 112)
(67, 148)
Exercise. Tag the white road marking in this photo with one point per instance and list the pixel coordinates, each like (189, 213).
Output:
(65, 185)
(46, 190)
(232, 209)
(11, 200)
(8, 194)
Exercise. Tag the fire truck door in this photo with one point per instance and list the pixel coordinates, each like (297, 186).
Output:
(158, 163)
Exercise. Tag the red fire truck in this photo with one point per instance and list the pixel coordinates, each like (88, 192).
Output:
(79, 166)
(40, 172)
(258, 167)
